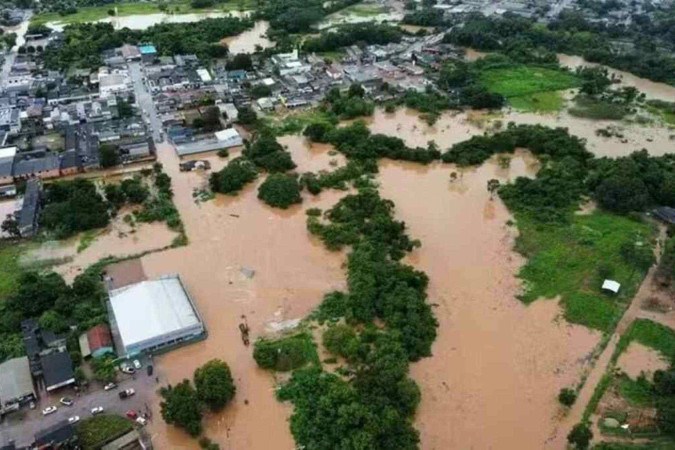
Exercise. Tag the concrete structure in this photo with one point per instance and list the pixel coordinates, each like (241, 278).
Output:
(16, 383)
(204, 75)
(7, 155)
(153, 315)
(229, 138)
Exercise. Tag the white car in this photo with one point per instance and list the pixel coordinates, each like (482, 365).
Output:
(137, 364)
(141, 420)
(73, 419)
(109, 386)
(66, 401)
(49, 410)
(97, 410)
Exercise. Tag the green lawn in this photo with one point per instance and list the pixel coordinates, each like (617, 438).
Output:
(650, 334)
(528, 87)
(99, 430)
(565, 261)
(9, 267)
(636, 392)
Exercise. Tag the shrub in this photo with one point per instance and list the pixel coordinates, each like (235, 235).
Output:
(214, 384)
(280, 191)
(285, 354)
(233, 177)
(567, 396)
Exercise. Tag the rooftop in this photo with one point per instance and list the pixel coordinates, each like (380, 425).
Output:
(151, 308)
(15, 379)
(147, 49)
(57, 370)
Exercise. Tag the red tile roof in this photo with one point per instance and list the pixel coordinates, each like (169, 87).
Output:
(99, 337)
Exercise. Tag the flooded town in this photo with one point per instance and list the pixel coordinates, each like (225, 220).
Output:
(296, 224)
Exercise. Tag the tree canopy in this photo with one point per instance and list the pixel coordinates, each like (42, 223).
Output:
(214, 384)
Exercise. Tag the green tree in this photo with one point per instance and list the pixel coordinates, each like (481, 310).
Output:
(240, 61)
(180, 407)
(233, 177)
(214, 384)
(280, 190)
(109, 155)
(51, 320)
(317, 131)
(580, 436)
(567, 396)
(104, 369)
(246, 116)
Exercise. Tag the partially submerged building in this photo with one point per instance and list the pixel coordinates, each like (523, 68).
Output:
(152, 316)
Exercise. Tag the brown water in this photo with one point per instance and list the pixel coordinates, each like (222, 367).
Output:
(247, 41)
(638, 359)
(292, 272)
(650, 88)
(454, 127)
(498, 365)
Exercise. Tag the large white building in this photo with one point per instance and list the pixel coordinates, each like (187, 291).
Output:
(152, 315)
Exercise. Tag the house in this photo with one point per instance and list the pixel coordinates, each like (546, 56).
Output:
(10, 120)
(130, 52)
(229, 137)
(148, 52)
(16, 383)
(60, 435)
(36, 164)
(6, 164)
(229, 110)
(666, 214)
(30, 210)
(97, 342)
(57, 370)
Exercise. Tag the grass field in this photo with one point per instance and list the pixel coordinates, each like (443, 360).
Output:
(94, 13)
(9, 267)
(566, 261)
(96, 431)
(528, 87)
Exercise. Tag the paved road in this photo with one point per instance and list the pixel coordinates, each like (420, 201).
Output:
(21, 426)
(144, 100)
(20, 31)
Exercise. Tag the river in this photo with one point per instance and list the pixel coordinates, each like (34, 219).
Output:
(143, 21)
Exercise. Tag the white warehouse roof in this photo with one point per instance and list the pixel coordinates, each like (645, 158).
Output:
(146, 311)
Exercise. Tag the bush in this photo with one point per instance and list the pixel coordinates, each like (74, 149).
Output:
(267, 153)
(567, 396)
(280, 191)
(285, 354)
(580, 436)
(180, 407)
(233, 177)
(341, 340)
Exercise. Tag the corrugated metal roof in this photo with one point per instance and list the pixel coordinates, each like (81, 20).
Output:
(15, 379)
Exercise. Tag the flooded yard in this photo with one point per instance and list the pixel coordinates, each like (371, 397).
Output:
(250, 40)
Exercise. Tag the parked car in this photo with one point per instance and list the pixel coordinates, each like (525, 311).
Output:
(137, 364)
(149, 369)
(96, 410)
(32, 405)
(124, 367)
(66, 401)
(49, 410)
(126, 393)
(132, 414)
(73, 419)
(141, 420)
(109, 386)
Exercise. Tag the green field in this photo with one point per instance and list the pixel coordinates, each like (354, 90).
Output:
(9, 267)
(650, 334)
(528, 87)
(566, 261)
(94, 13)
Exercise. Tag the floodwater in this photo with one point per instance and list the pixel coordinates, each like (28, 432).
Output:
(454, 127)
(292, 272)
(118, 239)
(497, 365)
(247, 41)
(349, 17)
(143, 21)
(638, 359)
(650, 88)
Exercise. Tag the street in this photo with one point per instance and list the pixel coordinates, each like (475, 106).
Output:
(20, 31)
(144, 100)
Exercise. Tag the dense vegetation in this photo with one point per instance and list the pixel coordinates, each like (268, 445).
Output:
(280, 190)
(94, 432)
(73, 206)
(288, 353)
(266, 153)
(84, 42)
(425, 17)
(183, 405)
(233, 177)
(350, 105)
(297, 16)
(346, 35)
(571, 33)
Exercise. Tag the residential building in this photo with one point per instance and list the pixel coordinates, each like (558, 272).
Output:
(57, 370)
(97, 342)
(16, 383)
(28, 216)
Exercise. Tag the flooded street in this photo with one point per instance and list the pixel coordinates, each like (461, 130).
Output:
(454, 127)
(292, 273)
(247, 41)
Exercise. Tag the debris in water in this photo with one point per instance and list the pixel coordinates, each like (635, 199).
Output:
(234, 215)
(248, 273)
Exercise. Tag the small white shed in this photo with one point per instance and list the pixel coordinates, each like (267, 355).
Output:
(611, 285)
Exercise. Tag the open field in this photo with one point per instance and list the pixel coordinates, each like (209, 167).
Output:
(566, 261)
(94, 13)
(529, 88)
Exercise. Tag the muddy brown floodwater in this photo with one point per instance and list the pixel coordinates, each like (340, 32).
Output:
(497, 364)
(292, 272)
(454, 127)
(247, 41)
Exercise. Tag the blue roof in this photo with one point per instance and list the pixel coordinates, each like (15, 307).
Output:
(147, 49)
